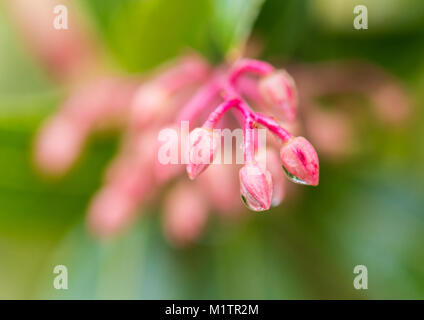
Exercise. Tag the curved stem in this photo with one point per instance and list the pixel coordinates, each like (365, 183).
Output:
(273, 126)
(250, 65)
(217, 114)
(266, 121)
(202, 98)
(233, 99)
(249, 141)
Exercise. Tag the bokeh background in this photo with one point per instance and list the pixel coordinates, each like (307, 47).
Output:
(368, 208)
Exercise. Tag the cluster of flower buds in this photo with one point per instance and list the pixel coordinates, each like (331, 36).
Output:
(188, 90)
(298, 157)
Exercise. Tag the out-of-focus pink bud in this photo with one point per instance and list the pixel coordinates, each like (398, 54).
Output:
(129, 182)
(185, 214)
(148, 103)
(67, 53)
(166, 164)
(104, 100)
(279, 91)
(203, 145)
(300, 161)
(152, 100)
(392, 104)
(110, 212)
(221, 183)
(57, 145)
(61, 139)
(189, 69)
(255, 187)
(331, 132)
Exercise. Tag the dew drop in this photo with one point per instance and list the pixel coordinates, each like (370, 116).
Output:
(275, 202)
(294, 178)
(243, 198)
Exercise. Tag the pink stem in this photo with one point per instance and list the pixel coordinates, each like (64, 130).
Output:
(249, 141)
(219, 112)
(266, 121)
(201, 99)
(273, 126)
(186, 72)
(234, 100)
(250, 65)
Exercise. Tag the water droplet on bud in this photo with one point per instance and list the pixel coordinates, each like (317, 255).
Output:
(275, 202)
(294, 178)
(243, 198)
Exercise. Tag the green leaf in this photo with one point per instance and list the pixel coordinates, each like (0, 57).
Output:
(142, 34)
(95, 269)
(20, 76)
(136, 265)
(232, 22)
(141, 265)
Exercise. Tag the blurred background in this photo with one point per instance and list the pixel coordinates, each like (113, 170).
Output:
(361, 94)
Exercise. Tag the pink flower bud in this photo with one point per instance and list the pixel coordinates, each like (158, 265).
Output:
(148, 104)
(300, 161)
(66, 53)
(279, 91)
(392, 104)
(185, 214)
(255, 187)
(203, 145)
(129, 183)
(57, 145)
(331, 132)
(154, 99)
(110, 212)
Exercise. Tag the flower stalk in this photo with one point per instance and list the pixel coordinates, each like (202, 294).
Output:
(298, 157)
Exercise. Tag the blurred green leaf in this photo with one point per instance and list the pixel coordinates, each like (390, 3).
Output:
(141, 265)
(142, 34)
(384, 16)
(31, 202)
(95, 269)
(232, 22)
(19, 74)
(281, 25)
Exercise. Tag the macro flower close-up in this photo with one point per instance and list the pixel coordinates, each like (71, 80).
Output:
(211, 149)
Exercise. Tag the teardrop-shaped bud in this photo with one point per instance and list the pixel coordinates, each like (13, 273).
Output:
(110, 212)
(279, 92)
(149, 103)
(300, 161)
(203, 144)
(255, 187)
(185, 214)
(58, 144)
